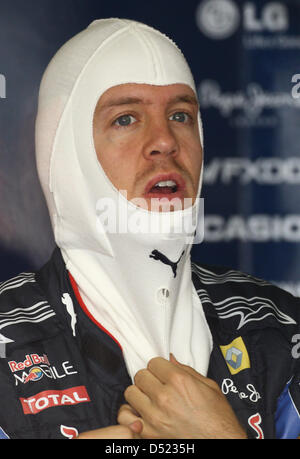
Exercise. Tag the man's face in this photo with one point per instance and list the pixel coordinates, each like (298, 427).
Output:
(147, 141)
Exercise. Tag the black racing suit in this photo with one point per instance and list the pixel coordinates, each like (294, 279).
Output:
(61, 373)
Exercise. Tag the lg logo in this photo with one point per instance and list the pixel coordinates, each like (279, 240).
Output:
(273, 18)
(220, 19)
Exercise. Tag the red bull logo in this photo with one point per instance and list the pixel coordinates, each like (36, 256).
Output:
(30, 360)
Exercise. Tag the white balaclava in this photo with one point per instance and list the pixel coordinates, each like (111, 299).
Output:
(148, 307)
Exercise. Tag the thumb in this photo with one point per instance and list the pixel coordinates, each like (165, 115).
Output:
(173, 359)
(136, 426)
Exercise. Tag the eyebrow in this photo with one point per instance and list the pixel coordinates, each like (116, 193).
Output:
(136, 100)
(122, 101)
(186, 99)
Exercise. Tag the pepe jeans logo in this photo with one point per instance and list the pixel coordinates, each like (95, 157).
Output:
(251, 101)
(249, 393)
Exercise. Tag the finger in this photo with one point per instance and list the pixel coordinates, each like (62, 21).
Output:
(148, 383)
(161, 368)
(137, 399)
(149, 414)
(127, 415)
(111, 432)
(173, 358)
(136, 426)
(128, 407)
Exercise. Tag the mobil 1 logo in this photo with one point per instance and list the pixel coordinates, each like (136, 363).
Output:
(35, 367)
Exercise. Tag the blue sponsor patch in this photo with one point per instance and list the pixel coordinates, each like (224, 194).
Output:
(287, 419)
(3, 435)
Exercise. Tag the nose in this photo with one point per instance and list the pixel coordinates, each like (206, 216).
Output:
(161, 141)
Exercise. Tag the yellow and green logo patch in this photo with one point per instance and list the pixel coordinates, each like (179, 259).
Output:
(236, 355)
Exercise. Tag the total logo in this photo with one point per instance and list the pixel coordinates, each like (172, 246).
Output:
(37, 372)
(53, 398)
(219, 19)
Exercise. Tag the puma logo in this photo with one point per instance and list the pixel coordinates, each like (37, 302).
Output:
(157, 255)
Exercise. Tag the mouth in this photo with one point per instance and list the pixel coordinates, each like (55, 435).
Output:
(167, 186)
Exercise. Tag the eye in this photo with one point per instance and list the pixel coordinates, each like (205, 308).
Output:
(124, 120)
(180, 117)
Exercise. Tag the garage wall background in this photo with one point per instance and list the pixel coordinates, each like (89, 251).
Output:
(245, 59)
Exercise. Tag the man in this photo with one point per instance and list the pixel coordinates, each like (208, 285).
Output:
(119, 335)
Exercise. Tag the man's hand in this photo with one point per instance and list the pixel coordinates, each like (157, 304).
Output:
(174, 401)
(112, 432)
